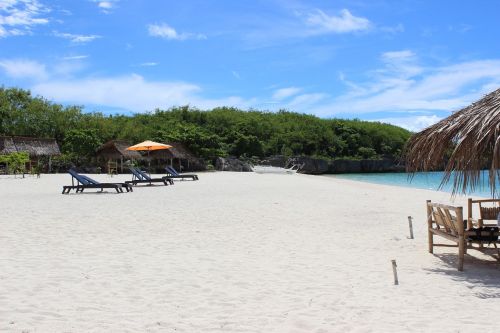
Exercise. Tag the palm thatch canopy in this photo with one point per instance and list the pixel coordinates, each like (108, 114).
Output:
(117, 149)
(469, 138)
(35, 147)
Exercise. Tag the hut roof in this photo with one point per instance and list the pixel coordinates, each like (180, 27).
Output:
(117, 149)
(33, 146)
(178, 150)
(472, 135)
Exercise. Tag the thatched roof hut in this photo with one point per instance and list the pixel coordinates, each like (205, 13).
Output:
(178, 151)
(469, 138)
(178, 156)
(114, 153)
(35, 147)
(117, 149)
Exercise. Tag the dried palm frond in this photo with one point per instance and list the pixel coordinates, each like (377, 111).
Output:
(471, 138)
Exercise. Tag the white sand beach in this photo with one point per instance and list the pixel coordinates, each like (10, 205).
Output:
(233, 252)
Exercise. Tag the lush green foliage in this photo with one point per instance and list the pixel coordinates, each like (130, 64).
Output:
(219, 132)
(16, 162)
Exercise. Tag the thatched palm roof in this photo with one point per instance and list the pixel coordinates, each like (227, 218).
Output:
(116, 149)
(178, 150)
(33, 146)
(471, 138)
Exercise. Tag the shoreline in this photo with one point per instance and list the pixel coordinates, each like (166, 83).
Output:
(232, 252)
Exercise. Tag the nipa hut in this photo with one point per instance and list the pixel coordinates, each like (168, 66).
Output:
(35, 147)
(178, 156)
(113, 154)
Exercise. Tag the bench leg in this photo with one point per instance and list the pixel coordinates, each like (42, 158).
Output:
(461, 253)
(431, 241)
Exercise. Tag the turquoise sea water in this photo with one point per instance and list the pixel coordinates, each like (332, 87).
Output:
(423, 180)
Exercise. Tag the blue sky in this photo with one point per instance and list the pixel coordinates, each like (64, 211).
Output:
(409, 63)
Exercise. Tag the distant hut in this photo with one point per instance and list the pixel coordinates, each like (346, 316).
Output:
(113, 153)
(35, 147)
(178, 156)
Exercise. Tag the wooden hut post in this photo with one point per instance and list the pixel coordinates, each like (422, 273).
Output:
(50, 164)
(121, 164)
(461, 239)
(429, 226)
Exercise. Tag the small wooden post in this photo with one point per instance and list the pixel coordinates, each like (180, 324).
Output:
(394, 270)
(410, 224)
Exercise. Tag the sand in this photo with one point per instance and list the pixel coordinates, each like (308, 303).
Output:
(233, 252)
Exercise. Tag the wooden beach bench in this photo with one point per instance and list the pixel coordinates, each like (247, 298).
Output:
(447, 222)
(172, 173)
(83, 182)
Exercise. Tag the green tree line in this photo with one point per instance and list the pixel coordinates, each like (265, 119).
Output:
(221, 131)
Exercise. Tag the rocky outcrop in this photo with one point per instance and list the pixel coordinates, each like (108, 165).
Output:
(353, 166)
(231, 164)
(309, 165)
(275, 161)
(317, 166)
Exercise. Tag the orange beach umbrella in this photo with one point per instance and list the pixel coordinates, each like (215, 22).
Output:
(148, 146)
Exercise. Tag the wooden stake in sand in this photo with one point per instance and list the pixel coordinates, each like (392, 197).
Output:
(396, 282)
(411, 226)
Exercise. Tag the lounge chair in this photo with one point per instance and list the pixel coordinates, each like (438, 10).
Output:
(447, 222)
(81, 182)
(141, 177)
(172, 173)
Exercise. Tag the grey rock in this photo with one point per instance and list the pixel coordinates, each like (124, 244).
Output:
(231, 164)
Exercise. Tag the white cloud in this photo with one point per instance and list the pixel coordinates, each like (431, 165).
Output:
(404, 86)
(163, 30)
(17, 17)
(23, 69)
(301, 102)
(106, 6)
(148, 64)
(285, 93)
(412, 123)
(76, 57)
(132, 92)
(75, 38)
(343, 23)
(398, 55)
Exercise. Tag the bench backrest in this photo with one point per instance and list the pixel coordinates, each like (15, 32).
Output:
(488, 208)
(82, 179)
(171, 170)
(136, 173)
(79, 178)
(445, 218)
(144, 175)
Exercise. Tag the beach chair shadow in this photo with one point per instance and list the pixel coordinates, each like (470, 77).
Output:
(172, 173)
(484, 275)
(141, 177)
(79, 183)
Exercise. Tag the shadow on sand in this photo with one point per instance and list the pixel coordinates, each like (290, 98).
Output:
(478, 272)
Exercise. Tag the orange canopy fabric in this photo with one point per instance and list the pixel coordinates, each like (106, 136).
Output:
(149, 145)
